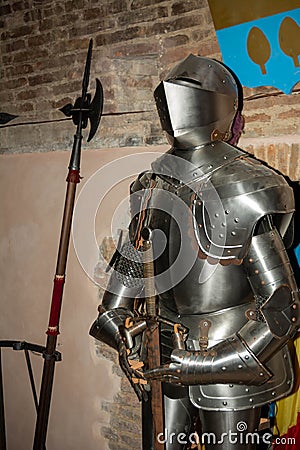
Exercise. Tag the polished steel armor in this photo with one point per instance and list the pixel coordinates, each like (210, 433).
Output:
(226, 220)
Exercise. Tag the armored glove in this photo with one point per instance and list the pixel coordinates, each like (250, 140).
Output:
(110, 328)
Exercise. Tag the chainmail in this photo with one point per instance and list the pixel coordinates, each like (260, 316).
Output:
(258, 315)
(129, 266)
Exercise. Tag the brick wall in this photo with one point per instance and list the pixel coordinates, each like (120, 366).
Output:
(43, 49)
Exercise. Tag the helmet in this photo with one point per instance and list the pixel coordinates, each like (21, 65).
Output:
(197, 102)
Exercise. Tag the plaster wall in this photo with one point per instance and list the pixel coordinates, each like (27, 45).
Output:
(32, 198)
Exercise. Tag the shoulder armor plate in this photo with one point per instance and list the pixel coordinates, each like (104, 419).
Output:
(231, 192)
(243, 192)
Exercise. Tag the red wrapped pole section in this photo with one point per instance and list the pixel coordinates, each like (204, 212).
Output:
(58, 287)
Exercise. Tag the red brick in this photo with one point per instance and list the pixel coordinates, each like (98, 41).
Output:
(142, 3)
(39, 40)
(29, 55)
(13, 84)
(179, 8)
(33, 15)
(21, 5)
(271, 155)
(119, 36)
(260, 153)
(259, 117)
(5, 10)
(137, 49)
(180, 23)
(175, 41)
(13, 71)
(21, 31)
(142, 15)
(292, 113)
(283, 157)
(74, 4)
(294, 167)
(113, 7)
(43, 78)
(25, 107)
(13, 46)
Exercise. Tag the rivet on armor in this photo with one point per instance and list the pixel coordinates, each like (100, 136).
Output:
(216, 214)
(261, 374)
(223, 224)
(247, 389)
(236, 220)
(223, 368)
(250, 260)
(231, 385)
(262, 282)
(221, 235)
(256, 271)
(233, 233)
(294, 306)
(207, 246)
(247, 357)
(225, 157)
(240, 366)
(250, 314)
(251, 400)
(213, 227)
(195, 174)
(294, 319)
(224, 403)
(228, 251)
(273, 393)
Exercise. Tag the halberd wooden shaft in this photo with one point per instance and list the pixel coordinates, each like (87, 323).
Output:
(153, 344)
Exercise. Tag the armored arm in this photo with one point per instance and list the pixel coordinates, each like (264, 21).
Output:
(242, 358)
(125, 283)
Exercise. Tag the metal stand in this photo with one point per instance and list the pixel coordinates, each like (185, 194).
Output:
(27, 348)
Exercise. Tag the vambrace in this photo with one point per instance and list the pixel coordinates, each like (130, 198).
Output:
(126, 281)
(229, 361)
(125, 284)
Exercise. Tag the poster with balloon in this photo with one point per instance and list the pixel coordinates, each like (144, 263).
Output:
(260, 40)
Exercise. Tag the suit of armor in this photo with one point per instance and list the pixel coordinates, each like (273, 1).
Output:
(220, 223)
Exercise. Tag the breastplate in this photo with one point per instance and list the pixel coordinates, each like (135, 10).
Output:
(187, 281)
